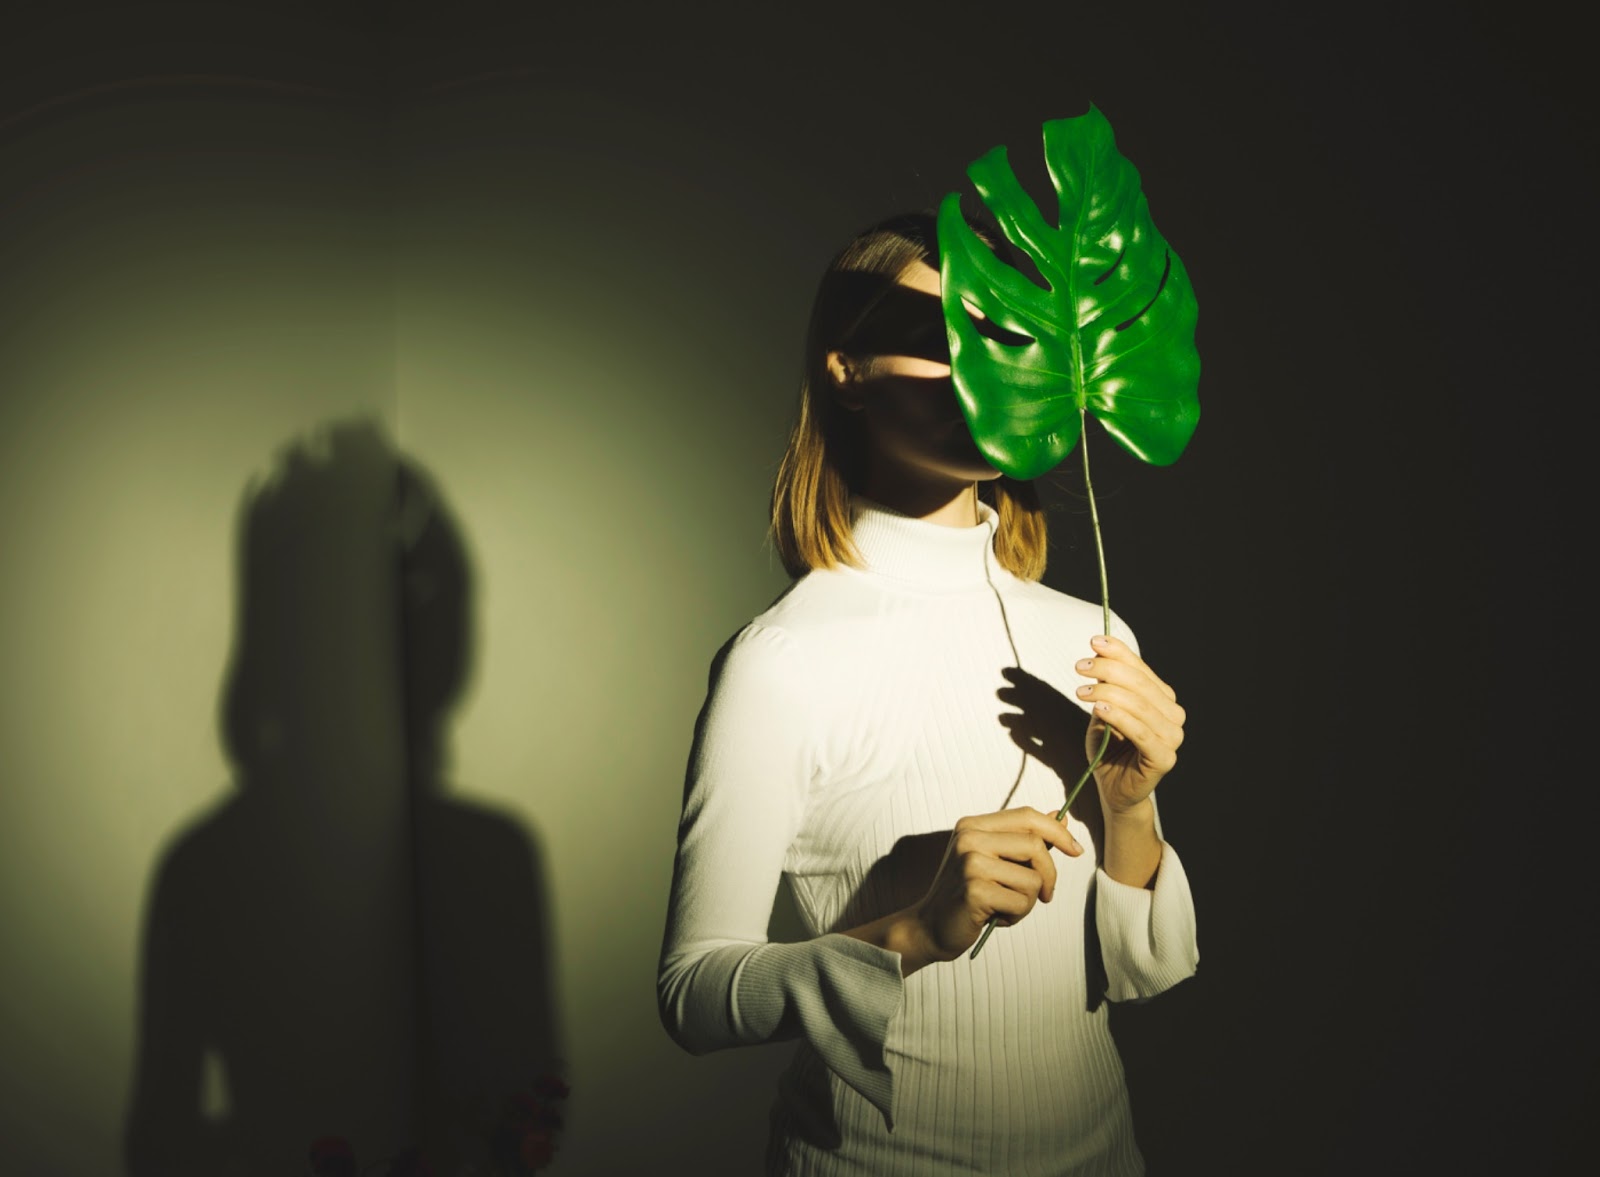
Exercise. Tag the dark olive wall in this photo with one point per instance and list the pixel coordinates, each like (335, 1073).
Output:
(563, 260)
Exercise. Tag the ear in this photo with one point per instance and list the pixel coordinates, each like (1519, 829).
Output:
(845, 378)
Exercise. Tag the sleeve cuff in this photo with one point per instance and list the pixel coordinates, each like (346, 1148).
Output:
(841, 993)
(1147, 936)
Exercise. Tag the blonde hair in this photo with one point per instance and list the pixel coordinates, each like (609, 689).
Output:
(825, 460)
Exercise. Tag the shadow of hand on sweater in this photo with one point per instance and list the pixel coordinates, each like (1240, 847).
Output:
(897, 880)
(1050, 727)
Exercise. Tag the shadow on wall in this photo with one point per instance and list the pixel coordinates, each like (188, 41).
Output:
(338, 948)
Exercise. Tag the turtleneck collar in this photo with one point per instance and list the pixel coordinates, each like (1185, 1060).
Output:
(929, 555)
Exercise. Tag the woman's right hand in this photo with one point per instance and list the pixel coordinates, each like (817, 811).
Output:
(996, 864)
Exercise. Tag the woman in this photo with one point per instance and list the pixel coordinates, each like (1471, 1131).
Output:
(888, 735)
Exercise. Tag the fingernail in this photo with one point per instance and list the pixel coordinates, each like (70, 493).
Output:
(1086, 664)
(1100, 642)
(1083, 692)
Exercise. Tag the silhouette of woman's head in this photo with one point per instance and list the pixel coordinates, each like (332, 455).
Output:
(352, 622)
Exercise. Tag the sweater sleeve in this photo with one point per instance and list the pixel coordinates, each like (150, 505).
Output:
(1147, 935)
(720, 983)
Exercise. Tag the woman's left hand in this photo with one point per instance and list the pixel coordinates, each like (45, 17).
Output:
(1145, 720)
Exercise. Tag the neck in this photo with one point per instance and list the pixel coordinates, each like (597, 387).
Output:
(920, 552)
(944, 503)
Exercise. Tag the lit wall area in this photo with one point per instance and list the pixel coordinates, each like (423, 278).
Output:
(581, 370)
(378, 482)
(203, 866)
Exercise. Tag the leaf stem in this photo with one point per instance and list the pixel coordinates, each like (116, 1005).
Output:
(1105, 625)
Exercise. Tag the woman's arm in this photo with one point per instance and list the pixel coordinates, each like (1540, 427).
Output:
(720, 983)
(1144, 910)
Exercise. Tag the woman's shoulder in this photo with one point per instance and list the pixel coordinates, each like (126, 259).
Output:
(797, 634)
(1068, 614)
(822, 601)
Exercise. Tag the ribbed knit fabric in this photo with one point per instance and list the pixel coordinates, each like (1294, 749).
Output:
(845, 731)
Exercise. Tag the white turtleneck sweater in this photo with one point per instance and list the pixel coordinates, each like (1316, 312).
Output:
(846, 730)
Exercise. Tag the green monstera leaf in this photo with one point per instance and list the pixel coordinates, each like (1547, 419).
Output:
(1112, 337)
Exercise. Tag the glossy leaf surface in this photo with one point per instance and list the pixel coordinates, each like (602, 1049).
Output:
(1114, 333)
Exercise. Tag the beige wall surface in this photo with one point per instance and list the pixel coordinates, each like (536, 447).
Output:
(604, 428)
(189, 291)
(233, 325)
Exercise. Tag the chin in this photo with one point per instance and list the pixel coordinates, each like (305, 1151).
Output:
(972, 468)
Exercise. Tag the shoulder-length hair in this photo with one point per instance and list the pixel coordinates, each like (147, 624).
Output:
(825, 461)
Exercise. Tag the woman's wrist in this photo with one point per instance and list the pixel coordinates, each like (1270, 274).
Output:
(1132, 846)
(1141, 812)
(901, 932)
